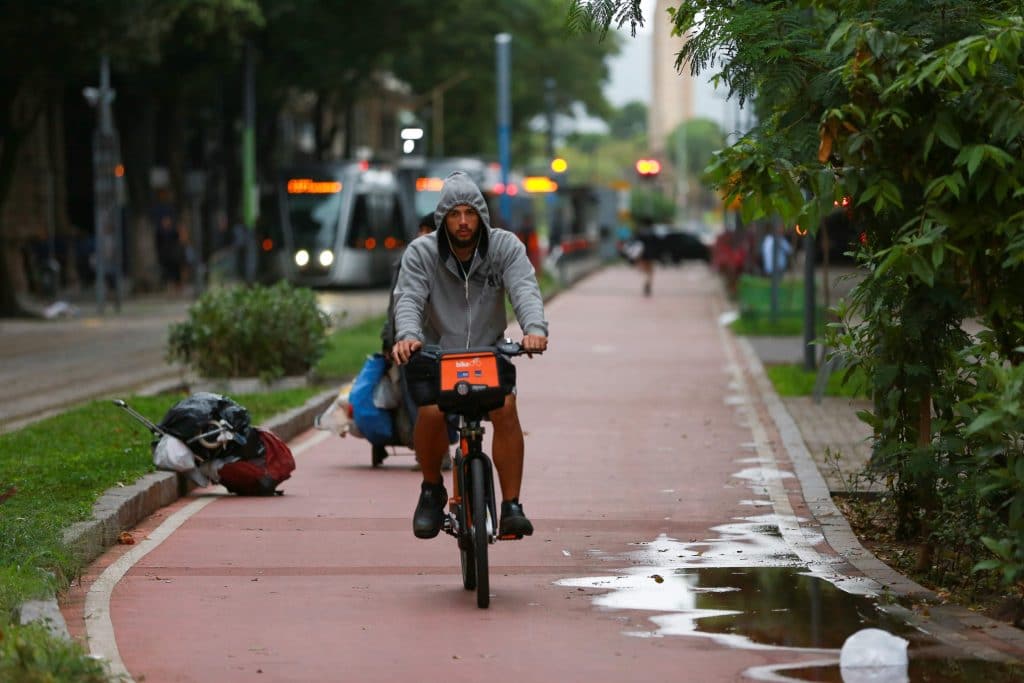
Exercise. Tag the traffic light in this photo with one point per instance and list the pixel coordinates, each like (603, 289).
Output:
(648, 169)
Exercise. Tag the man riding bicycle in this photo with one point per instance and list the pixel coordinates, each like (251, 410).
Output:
(451, 293)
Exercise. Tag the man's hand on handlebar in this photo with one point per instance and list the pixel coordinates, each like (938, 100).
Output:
(534, 343)
(404, 348)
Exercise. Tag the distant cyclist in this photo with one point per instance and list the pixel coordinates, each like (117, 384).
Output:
(451, 292)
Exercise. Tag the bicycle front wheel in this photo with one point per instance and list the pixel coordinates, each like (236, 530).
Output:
(465, 534)
(479, 509)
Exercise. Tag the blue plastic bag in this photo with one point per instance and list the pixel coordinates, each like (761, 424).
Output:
(373, 422)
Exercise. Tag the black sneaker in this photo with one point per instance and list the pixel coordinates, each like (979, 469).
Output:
(513, 521)
(429, 515)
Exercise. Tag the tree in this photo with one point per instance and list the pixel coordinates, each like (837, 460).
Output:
(541, 48)
(42, 48)
(629, 121)
(914, 110)
(176, 101)
(694, 143)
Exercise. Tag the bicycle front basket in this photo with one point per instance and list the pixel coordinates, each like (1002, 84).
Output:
(474, 381)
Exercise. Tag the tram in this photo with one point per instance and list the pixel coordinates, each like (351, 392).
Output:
(427, 178)
(343, 224)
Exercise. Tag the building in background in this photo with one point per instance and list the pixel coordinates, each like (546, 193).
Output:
(672, 92)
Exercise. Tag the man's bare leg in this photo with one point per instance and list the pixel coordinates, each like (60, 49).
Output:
(508, 448)
(430, 440)
(508, 458)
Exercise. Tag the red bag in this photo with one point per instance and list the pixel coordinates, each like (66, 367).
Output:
(260, 476)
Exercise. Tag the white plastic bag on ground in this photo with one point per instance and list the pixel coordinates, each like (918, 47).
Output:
(872, 655)
(173, 455)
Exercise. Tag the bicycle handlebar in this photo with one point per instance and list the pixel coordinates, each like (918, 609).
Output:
(510, 348)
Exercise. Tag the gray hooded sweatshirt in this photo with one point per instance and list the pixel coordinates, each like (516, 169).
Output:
(435, 304)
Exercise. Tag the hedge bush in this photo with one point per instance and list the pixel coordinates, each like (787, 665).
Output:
(251, 331)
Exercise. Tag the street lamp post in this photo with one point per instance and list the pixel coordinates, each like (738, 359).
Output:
(106, 211)
(502, 43)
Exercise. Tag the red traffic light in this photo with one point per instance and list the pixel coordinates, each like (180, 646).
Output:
(648, 168)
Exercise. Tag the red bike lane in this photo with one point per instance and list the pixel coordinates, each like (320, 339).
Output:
(637, 442)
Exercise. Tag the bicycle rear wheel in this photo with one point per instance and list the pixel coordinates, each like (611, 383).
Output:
(479, 510)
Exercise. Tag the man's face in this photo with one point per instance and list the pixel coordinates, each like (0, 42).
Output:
(463, 225)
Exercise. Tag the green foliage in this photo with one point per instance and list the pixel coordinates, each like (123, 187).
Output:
(421, 55)
(256, 331)
(914, 110)
(30, 654)
(648, 203)
(629, 121)
(346, 350)
(754, 296)
(694, 143)
(794, 380)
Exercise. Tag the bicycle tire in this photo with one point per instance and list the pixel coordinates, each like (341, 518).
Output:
(466, 558)
(479, 509)
(468, 561)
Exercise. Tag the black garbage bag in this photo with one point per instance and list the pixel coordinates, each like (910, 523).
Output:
(213, 426)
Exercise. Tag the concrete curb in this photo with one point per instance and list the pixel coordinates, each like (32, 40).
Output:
(123, 507)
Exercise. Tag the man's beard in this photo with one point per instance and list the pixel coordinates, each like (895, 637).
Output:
(463, 244)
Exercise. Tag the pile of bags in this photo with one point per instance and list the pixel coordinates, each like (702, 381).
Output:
(210, 438)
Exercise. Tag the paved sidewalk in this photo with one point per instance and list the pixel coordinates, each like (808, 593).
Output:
(836, 438)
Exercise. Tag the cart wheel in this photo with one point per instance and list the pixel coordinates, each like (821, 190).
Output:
(378, 455)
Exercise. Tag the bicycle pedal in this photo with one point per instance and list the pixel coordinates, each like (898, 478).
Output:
(510, 537)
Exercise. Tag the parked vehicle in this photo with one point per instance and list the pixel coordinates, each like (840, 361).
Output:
(675, 245)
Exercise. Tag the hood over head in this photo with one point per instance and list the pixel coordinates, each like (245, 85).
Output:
(460, 189)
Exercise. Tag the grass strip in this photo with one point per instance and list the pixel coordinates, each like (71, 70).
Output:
(794, 380)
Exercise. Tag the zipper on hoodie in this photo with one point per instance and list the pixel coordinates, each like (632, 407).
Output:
(465, 282)
(469, 312)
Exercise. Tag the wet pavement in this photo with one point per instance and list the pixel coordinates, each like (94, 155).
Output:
(682, 534)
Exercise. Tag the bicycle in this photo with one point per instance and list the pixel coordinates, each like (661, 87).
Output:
(469, 384)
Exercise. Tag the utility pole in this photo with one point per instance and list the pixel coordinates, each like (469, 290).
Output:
(106, 211)
(549, 110)
(250, 191)
(502, 41)
(810, 305)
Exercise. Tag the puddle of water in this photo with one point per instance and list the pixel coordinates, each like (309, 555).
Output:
(925, 670)
(750, 541)
(749, 607)
(763, 474)
(777, 606)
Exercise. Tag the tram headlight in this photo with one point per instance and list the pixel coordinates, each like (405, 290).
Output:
(326, 257)
(301, 258)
